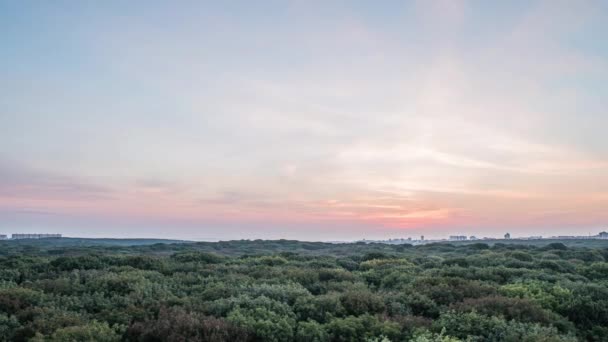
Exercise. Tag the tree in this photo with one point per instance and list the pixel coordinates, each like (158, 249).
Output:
(311, 331)
(94, 331)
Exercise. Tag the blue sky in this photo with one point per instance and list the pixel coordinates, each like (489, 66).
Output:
(308, 120)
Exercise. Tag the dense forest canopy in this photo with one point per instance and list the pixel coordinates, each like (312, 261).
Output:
(79, 290)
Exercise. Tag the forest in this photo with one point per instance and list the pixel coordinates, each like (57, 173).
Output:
(79, 290)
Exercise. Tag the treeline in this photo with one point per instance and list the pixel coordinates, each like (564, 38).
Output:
(297, 291)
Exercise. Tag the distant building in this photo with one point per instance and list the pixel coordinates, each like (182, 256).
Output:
(473, 237)
(35, 236)
(573, 237)
(507, 236)
(603, 235)
(421, 237)
(3, 237)
(458, 238)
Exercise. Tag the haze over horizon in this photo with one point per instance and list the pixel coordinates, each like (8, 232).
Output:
(303, 120)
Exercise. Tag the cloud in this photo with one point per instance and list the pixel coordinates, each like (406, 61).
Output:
(25, 182)
(426, 115)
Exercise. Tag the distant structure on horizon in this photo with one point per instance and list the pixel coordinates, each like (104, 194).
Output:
(507, 236)
(600, 236)
(35, 236)
(3, 237)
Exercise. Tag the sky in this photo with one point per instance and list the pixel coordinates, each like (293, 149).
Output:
(311, 120)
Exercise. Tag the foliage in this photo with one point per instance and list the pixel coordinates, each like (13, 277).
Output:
(82, 290)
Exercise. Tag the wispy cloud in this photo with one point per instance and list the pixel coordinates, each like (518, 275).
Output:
(420, 116)
(25, 182)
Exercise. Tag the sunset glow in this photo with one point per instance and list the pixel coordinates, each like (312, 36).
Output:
(304, 120)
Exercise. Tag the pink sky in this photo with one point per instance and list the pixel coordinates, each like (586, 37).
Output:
(321, 121)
